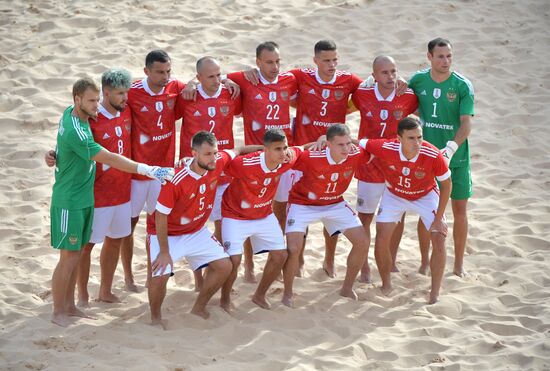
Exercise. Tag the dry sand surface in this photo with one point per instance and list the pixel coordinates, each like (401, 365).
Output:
(498, 317)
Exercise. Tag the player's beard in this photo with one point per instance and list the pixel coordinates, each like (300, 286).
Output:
(91, 114)
(119, 107)
(206, 167)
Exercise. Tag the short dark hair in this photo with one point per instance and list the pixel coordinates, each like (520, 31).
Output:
(408, 123)
(324, 45)
(156, 56)
(83, 84)
(438, 42)
(266, 45)
(116, 78)
(274, 135)
(202, 137)
(337, 130)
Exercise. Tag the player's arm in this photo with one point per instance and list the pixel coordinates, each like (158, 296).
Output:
(163, 259)
(351, 107)
(252, 74)
(128, 166)
(461, 135)
(247, 149)
(439, 224)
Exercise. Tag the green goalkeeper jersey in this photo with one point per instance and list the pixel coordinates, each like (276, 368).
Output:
(74, 168)
(440, 107)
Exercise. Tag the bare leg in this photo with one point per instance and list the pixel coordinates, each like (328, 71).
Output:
(356, 258)
(424, 241)
(61, 280)
(225, 300)
(218, 271)
(382, 254)
(460, 233)
(108, 260)
(84, 275)
(275, 262)
(437, 264)
(126, 255)
(366, 220)
(294, 245)
(157, 292)
(395, 241)
(301, 261)
(249, 276)
(199, 279)
(330, 251)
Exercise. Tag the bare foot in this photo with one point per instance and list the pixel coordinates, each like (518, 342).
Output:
(227, 306)
(60, 320)
(386, 290)
(75, 312)
(433, 298)
(329, 269)
(459, 272)
(300, 272)
(349, 293)
(108, 298)
(158, 323)
(249, 276)
(83, 303)
(130, 285)
(365, 277)
(203, 313)
(394, 268)
(261, 302)
(423, 269)
(288, 300)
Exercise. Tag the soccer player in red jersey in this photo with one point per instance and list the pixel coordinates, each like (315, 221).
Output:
(381, 109)
(247, 211)
(213, 110)
(183, 208)
(411, 167)
(317, 196)
(152, 102)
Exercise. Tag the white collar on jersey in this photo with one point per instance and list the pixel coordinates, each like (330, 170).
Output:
(106, 113)
(265, 81)
(320, 81)
(263, 164)
(203, 94)
(148, 89)
(331, 161)
(191, 172)
(380, 97)
(403, 158)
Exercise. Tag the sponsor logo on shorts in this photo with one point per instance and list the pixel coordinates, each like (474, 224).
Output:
(379, 211)
(451, 96)
(226, 244)
(291, 222)
(360, 202)
(73, 239)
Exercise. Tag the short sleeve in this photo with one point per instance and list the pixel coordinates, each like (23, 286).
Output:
(237, 77)
(234, 167)
(355, 82)
(413, 81)
(301, 161)
(441, 170)
(466, 98)
(82, 144)
(166, 199)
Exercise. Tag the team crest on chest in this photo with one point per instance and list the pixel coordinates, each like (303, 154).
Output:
(159, 106)
(272, 96)
(384, 114)
(211, 111)
(202, 188)
(284, 95)
(267, 181)
(437, 93)
(213, 184)
(397, 114)
(224, 110)
(348, 173)
(451, 96)
(406, 171)
(325, 93)
(170, 103)
(338, 94)
(419, 174)
(118, 131)
(334, 177)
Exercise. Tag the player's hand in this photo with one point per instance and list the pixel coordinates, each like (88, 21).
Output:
(233, 88)
(182, 161)
(190, 91)
(439, 226)
(449, 151)
(162, 174)
(401, 86)
(368, 82)
(320, 144)
(289, 155)
(162, 262)
(253, 76)
(49, 158)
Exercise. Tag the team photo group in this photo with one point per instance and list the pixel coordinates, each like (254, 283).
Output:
(119, 152)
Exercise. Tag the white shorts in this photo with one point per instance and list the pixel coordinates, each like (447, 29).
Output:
(265, 235)
(368, 196)
(144, 196)
(111, 221)
(199, 248)
(392, 208)
(336, 218)
(217, 208)
(288, 178)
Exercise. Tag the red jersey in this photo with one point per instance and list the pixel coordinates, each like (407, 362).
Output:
(408, 179)
(321, 104)
(189, 198)
(112, 186)
(250, 193)
(214, 114)
(379, 119)
(154, 124)
(324, 181)
(266, 105)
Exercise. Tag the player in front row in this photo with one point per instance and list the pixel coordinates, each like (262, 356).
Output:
(183, 208)
(411, 167)
(72, 205)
